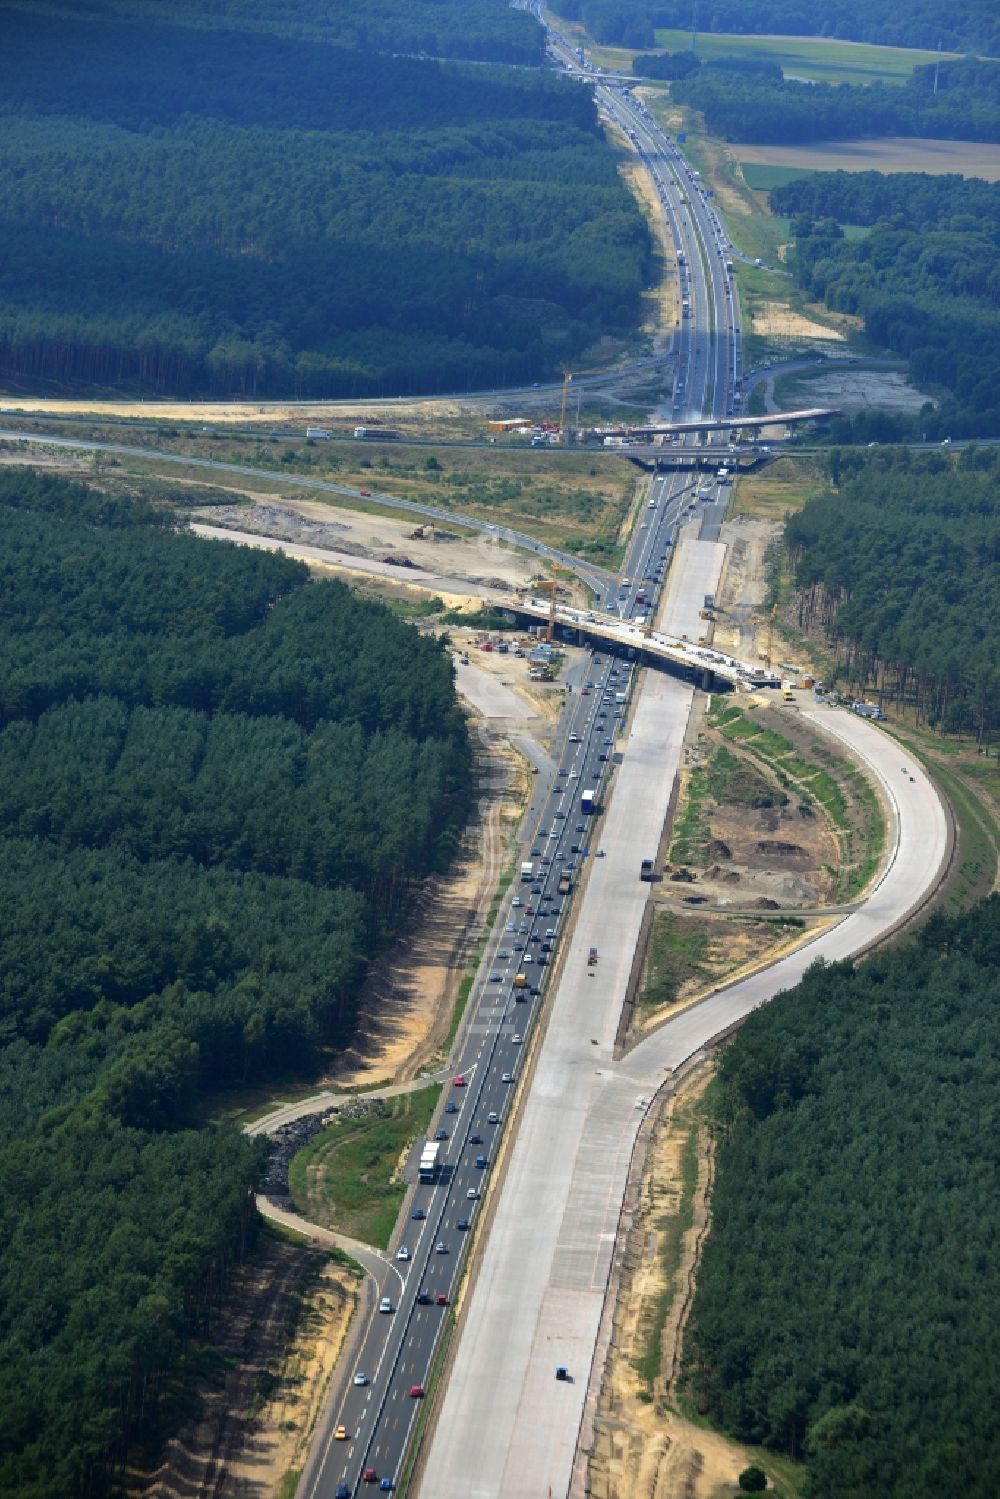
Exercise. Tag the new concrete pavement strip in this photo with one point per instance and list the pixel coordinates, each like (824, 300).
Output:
(506, 1426)
(697, 568)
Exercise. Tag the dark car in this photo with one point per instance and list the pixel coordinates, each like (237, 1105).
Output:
(536, 889)
(440, 1134)
(418, 1214)
(423, 1298)
(475, 1139)
(462, 1223)
(342, 1491)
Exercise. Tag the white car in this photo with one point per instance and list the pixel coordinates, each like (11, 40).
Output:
(360, 1378)
(385, 1305)
(402, 1253)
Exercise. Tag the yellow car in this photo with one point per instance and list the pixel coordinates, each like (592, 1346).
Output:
(341, 1434)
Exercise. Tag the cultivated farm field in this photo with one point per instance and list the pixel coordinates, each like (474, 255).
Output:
(764, 167)
(822, 59)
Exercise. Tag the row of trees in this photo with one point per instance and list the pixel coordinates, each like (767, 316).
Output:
(966, 25)
(900, 564)
(201, 211)
(220, 783)
(846, 1297)
(924, 279)
(962, 104)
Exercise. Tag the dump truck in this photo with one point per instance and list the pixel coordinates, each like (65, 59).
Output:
(565, 884)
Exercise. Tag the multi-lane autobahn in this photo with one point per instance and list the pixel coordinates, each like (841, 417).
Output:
(368, 1429)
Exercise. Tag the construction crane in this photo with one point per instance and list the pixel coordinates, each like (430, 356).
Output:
(567, 382)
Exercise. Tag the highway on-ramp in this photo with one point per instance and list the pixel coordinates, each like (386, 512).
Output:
(506, 1426)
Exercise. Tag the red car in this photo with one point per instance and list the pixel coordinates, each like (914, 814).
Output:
(416, 1391)
(458, 1082)
(370, 1476)
(441, 1299)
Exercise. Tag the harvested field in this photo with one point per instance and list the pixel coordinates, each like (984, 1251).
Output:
(891, 153)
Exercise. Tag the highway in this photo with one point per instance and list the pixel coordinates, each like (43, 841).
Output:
(506, 1425)
(596, 578)
(377, 1414)
(553, 1185)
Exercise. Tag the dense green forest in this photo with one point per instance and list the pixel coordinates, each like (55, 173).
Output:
(846, 1300)
(925, 280)
(958, 101)
(961, 26)
(204, 211)
(483, 30)
(220, 783)
(900, 564)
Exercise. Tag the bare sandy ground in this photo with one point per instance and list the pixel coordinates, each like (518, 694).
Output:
(857, 389)
(778, 320)
(641, 1445)
(890, 154)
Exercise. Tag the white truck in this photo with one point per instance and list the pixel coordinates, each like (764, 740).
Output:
(429, 1161)
(527, 870)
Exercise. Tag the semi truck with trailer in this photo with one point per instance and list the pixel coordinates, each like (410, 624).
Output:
(430, 1160)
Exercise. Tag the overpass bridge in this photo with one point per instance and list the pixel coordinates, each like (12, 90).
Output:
(734, 423)
(694, 660)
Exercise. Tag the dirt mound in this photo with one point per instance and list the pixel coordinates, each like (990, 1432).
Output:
(777, 849)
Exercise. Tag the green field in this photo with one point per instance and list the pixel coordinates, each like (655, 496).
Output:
(764, 179)
(348, 1176)
(809, 57)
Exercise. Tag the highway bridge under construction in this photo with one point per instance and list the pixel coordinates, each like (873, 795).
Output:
(690, 659)
(653, 430)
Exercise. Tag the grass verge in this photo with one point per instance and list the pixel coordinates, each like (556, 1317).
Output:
(779, 489)
(840, 791)
(347, 1177)
(674, 957)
